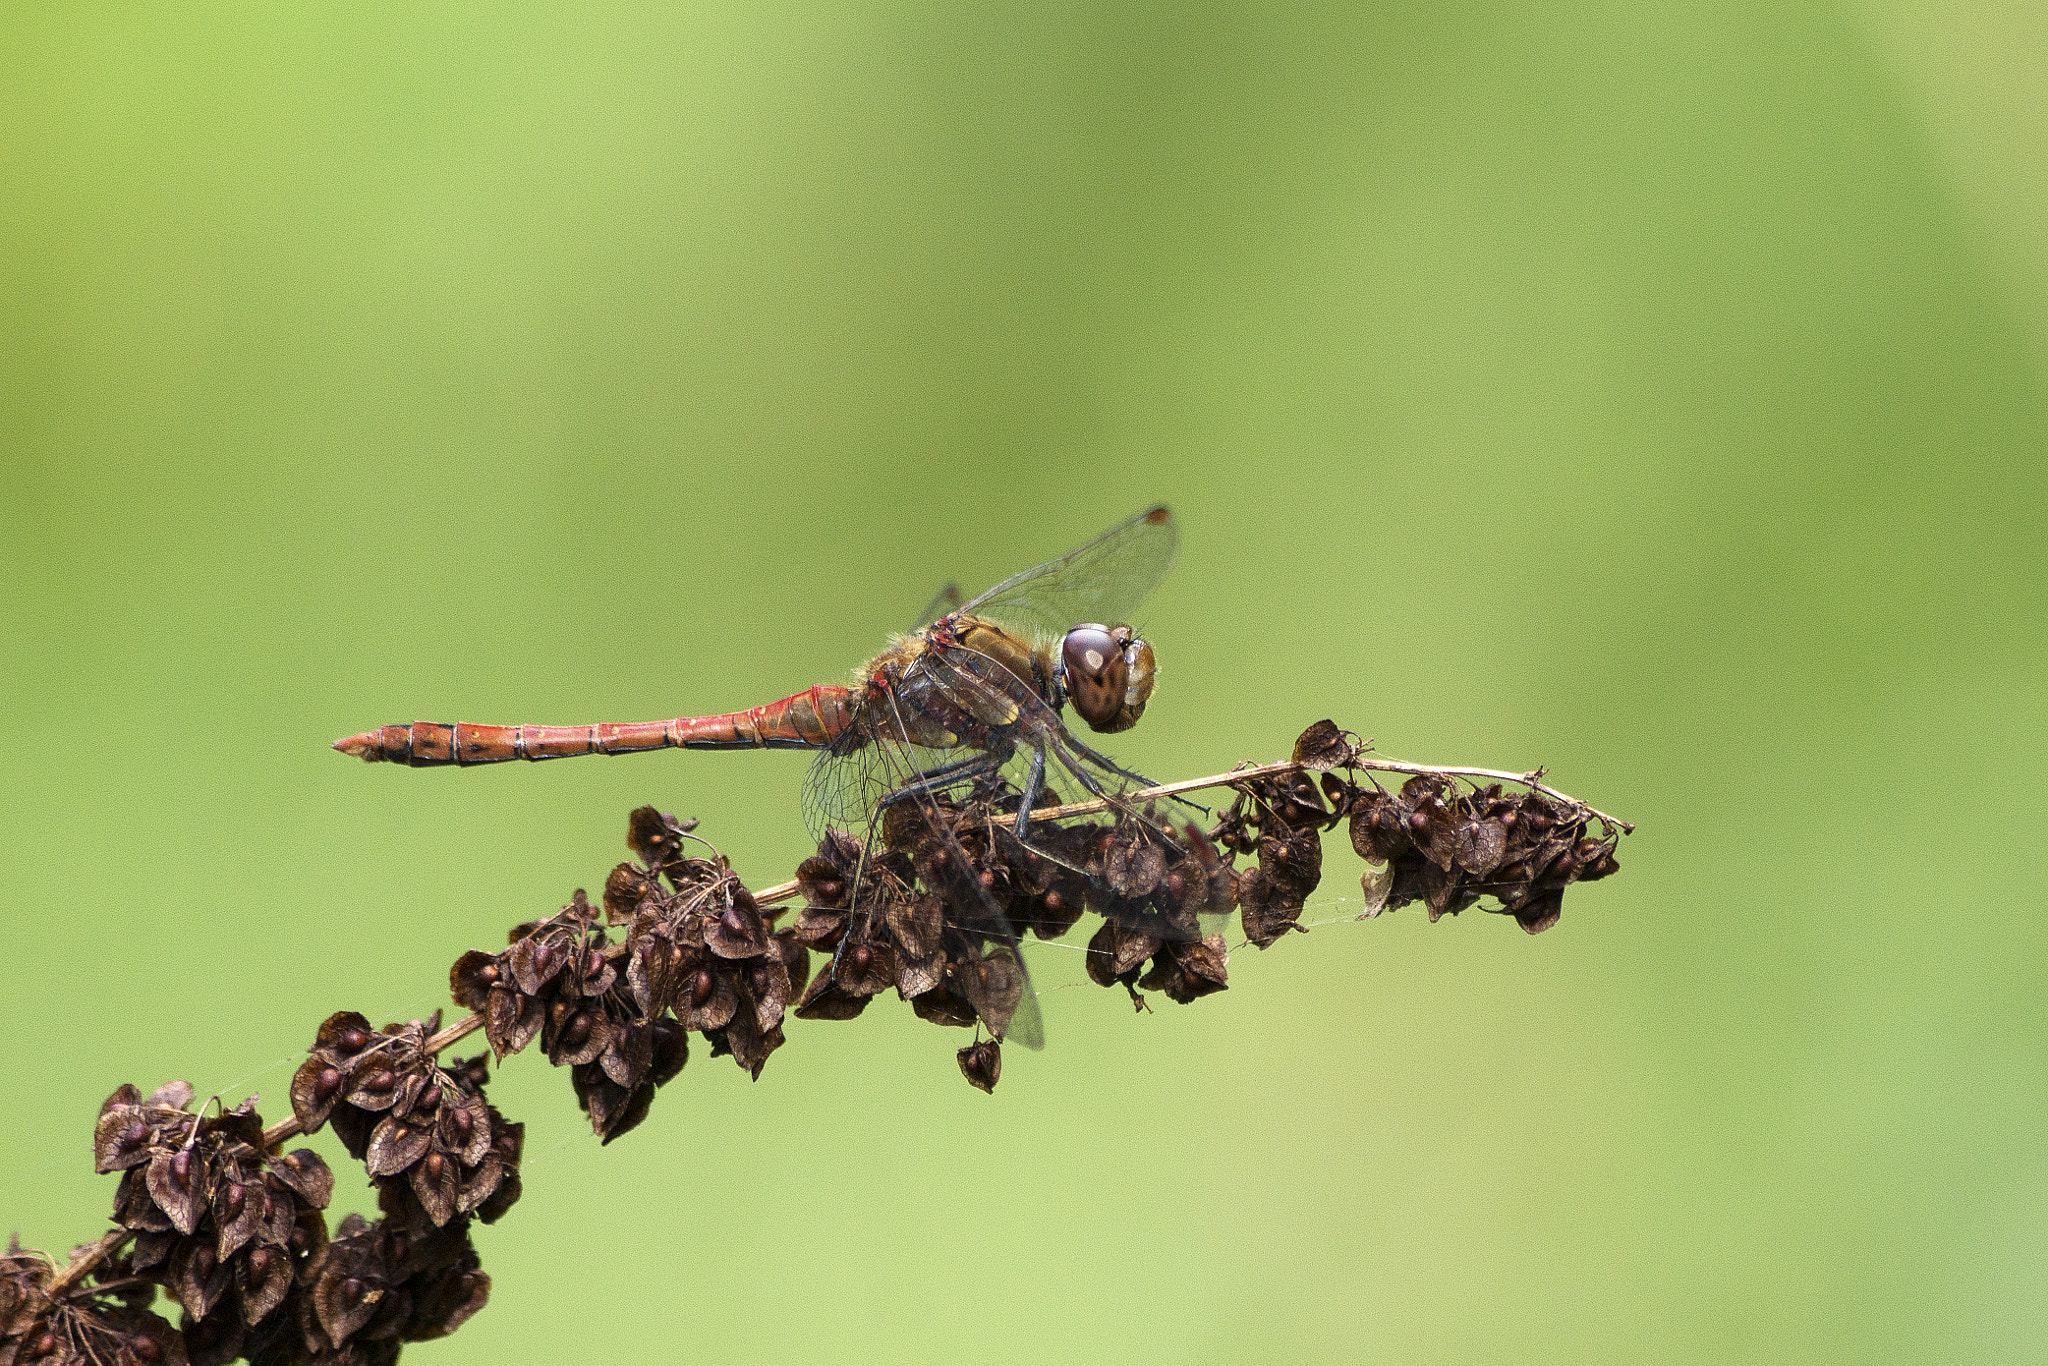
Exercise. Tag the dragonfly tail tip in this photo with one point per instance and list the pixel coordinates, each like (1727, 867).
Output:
(364, 746)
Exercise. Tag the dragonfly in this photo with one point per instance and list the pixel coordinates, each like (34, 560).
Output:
(975, 694)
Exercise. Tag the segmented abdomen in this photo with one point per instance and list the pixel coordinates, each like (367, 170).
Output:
(806, 720)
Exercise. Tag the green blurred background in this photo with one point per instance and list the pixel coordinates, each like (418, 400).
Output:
(1654, 392)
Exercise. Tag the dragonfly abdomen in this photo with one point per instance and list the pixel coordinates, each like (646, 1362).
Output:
(806, 720)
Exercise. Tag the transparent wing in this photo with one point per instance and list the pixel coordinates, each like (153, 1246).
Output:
(946, 600)
(1103, 581)
(844, 790)
(847, 790)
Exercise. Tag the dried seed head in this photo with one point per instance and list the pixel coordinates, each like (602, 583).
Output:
(1185, 972)
(982, 1064)
(220, 1220)
(390, 1283)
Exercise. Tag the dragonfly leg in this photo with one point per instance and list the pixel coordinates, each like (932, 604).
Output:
(933, 780)
(1034, 783)
(1113, 766)
(1035, 780)
(1096, 790)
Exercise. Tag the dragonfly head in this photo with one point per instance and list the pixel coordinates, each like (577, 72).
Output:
(1107, 673)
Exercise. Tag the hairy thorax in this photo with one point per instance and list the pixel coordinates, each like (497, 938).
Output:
(963, 682)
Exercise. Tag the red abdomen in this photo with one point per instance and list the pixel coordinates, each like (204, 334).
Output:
(810, 719)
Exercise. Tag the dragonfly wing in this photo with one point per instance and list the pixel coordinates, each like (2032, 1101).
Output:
(843, 791)
(946, 600)
(1105, 580)
(848, 790)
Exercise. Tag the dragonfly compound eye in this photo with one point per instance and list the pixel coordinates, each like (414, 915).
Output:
(1097, 674)
(1140, 667)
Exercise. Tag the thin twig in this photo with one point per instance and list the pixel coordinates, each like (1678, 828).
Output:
(89, 1256)
(783, 891)
(1531, 780)
(1146, 794)
(1143, 794)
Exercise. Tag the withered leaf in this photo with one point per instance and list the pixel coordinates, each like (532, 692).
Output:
(824, 882)
(263, 1278)
(316, 1089)
(916, 923)
(342, 1035)
(480, 1184)
(1185, 971)
(1324, 746)
(749, 1044)
(239, 1209)
(1481, 845)
(1132, 868)
(342, 1302)
(625, 889)
(865, 969)
(709, 999)
(1265, 910)
(627, 1058)
(471, 977)
(448, 1304)
(982, 1064)
(915, 977)
(993, 984)
(374, 1084)
(796, 962)
(198, 1279)
(124, 1094)
(737, 932)
(511, 1020)
(536, 961)
(307, 1174)
(1375, 882)
(464, 1127)
(435, 1182)
(121, 1138)
(1444, 892)
(133, 1207)
(396, 1143)
(178, 1183)
(938, 1006)
(1541, 911)
(576, 1034)
(172, 1095)
(652, 836)
(652, 972)
(825, 999)
(671, 1052)
(1292, 860)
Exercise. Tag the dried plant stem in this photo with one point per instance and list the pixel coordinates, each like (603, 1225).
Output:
(1531, 780)
(1146, 794)
(93, 1253)
(1143, 794)
(783, 891)
(88, 1257)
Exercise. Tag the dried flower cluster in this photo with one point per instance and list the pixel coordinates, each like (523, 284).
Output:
(433, 1145)
(381, 1284)
(45, 1322)
(1431, 842)
(215, 1213)
(221, 1220)
(698, 954)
